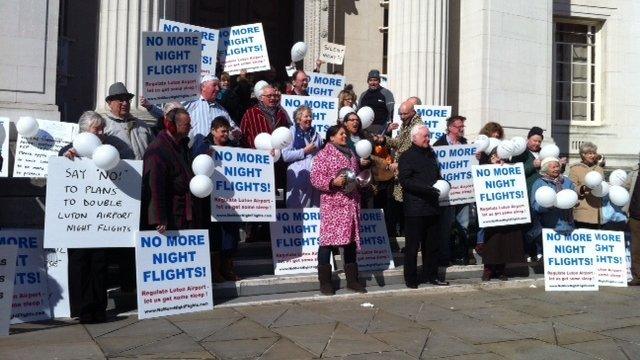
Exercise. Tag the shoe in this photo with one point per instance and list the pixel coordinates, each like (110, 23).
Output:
(471, 258)
(503, 277)
(324, 277)
(438, 282)
(539, 257)
(99, 317)
(227, 270)
(217, 269)
(86, 319)
(634, 282)
(411, 285)
(351, 273)
(486, 275)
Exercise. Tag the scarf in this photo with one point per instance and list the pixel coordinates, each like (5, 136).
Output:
(557, 182)
(302, 138)
(269, 113)
(345, 150)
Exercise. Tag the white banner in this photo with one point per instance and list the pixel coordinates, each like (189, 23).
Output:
(324, 108)
(325, 84)
(243, 185)
(435, 118)
(501, 195)
(32, 154)
(243, 48)
(295, 241)
(209, 42)
(170, 66)
(332, 53)
(8, 257)
(569, 261)
(4, 146)
(455, 166)
(173, 273)
(611, 257)
(92, 208)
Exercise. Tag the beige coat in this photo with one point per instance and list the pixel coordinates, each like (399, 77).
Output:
(588, 209)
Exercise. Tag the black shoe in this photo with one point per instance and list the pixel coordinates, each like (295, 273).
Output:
(411, 285)
(439, 282)
(86, 319)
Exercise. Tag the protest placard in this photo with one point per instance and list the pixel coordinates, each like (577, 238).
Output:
(92, 208)
(501, 194)
(243, 185)
(209, 42)
(170, 66)
(31, 287)
(57, 263)
(325, 84)
(173, 273)
(455, 163)
(8, 257)
(4, 146)
(295, 240)
(33, 153)
(611, 261)
(243, 48)
(324, 108)
(569, 261)
(332, 53)
(435, 118)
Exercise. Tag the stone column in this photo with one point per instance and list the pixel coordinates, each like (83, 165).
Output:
(316, 30)
(417, 50)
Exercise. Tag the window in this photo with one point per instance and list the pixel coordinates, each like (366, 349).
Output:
(575, 73)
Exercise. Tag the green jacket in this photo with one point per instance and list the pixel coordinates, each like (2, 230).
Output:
(530, 172)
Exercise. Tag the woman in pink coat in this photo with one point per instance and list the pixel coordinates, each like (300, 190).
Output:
(339, 210)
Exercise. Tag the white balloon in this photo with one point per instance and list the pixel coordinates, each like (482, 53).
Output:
(263, 141)
(566, 199)
(618, 195)
(618, 177)
(106, 157)
(298, 51)
(545, 196)
(444, 188)
(520, 145)
(276, 155)
(364, 148)
(27, 126)
(481, 142)
(344, 111)
(366, 116)
(593, 179)
(203, 165)
(505, 149)
(86, 143)
(601, 190)
(201, 186)
(281, 138)
(493, 143)
(549, 150)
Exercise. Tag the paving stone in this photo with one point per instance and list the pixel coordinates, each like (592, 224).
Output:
(441, 345)
(631, 333)
(608, 349)
(358, 319)
(312, 337)
(100, 329)
(537, 308)
(286, 349)
(386, 322)
(114, 345)
(463, 301)
(263, 315)
(430, 312)
(473, 331)
(531, 349)
(554, 333)
(159, 328)
(216, 313)
(52, 336)
(412, 341)
(501, 316)
(484, 356)
(596, 322)
(70, 350)
(239, 349)
(387, 355)
(407, 307)
(346, 341)
(296, 315)
(201, 329)
(241, 329)
(179, 346)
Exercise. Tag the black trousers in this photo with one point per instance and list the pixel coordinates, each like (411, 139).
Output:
(421, 232)
(324, 253)
(87, 281)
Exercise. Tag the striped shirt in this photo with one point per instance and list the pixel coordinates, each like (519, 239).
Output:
(202, 113)
(254, 122)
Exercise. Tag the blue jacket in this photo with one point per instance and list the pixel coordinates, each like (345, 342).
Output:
(551, 218)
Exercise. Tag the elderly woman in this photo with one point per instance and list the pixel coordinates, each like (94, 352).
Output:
(560, 220)
(339, 208)
(588, 212)
(299, 155)
(88, 267)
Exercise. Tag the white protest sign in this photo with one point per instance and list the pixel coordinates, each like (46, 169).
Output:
(611, 259)
(243, 48)
(209, 42)
(32, 154)
(325, 84)
(31, 288)
(57, 261)
(92, 208)
(435, 118)
(8, 256)
(170, 66)
(295, 241)
(455, 167)
(243, 185)
(501, 195)
(4, 146)
(569, 261)
(173, 273)
(332, 53)
(324, 108)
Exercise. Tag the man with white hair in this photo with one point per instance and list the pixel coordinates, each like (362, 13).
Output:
(265, 116)
(418, 171)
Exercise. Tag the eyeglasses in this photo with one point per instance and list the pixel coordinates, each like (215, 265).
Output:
(458, 126)
(122, 100)
(271, 96)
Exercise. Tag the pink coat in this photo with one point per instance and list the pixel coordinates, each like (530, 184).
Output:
(340, 212)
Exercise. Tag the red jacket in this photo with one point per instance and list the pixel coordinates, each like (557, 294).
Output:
(254, 122)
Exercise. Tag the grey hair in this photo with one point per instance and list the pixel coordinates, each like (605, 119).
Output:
(588, 146)
(90, 118)
(298, 112)
(172, 105)
(416, 129)
(544, 168)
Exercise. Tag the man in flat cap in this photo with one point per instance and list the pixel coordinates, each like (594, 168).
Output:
(380, 100)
